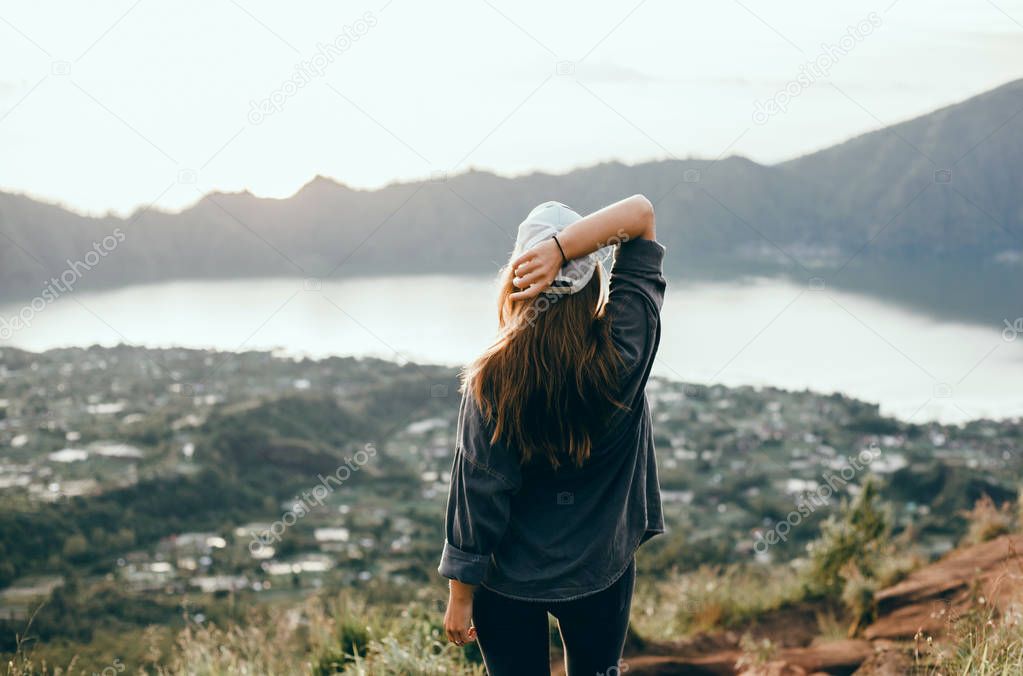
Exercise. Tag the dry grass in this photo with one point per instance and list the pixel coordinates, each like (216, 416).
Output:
(322, 636)
(983, 643)
(988, 521)
(712, 597)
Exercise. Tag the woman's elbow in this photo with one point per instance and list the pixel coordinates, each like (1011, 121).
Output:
(644, 216)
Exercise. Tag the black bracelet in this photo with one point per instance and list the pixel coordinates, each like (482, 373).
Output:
(564, 259)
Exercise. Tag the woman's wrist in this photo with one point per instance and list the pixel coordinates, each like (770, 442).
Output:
(569, 247)
(561, 250)
(460, 591)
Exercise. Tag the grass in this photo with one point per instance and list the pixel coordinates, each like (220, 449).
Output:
(25, 663)
(325, 635)
(830, 626)
(987, 520)
(712, 597)
(982, 643)
(755, 654)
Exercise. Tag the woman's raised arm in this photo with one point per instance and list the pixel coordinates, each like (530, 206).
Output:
(630, 218)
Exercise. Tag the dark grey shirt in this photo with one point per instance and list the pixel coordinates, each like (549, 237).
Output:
(533, 533)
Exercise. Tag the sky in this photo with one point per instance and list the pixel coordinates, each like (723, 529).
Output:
(118, 105)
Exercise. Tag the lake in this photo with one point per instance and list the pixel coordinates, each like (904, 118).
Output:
(758, 332)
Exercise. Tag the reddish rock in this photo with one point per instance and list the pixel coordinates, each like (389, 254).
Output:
(932, 597)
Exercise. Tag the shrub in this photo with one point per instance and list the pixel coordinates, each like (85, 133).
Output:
(858, 535)
(987, 521)
(858, 597)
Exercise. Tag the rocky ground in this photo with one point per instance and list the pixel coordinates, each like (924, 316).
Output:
(925, 605)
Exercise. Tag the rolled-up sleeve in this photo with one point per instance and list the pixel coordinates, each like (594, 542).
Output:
(484, 477)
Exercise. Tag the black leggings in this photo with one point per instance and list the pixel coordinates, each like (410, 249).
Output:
(514, 636)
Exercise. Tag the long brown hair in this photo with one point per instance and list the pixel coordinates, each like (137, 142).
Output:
(549, 382)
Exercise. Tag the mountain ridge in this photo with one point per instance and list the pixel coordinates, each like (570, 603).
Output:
(336, 181)
(877, 198)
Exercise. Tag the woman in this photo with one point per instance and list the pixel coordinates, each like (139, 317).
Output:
(554, 484)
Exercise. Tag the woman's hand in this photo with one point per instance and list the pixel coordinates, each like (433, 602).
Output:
(458, 618)
(536, 269)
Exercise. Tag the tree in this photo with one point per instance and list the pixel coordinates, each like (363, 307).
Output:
(75, 546)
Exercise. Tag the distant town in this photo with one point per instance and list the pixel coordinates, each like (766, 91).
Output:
(189, 472)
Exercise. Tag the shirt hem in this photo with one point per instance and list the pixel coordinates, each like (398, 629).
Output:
(646, 536)
(583, 595)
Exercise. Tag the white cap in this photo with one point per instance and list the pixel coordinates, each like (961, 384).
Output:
(541, 224)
